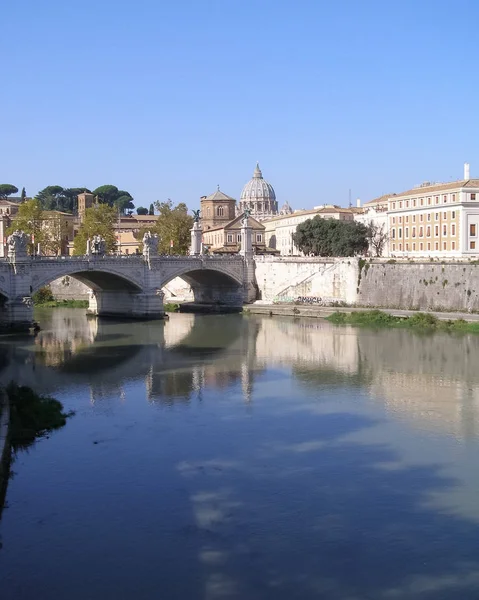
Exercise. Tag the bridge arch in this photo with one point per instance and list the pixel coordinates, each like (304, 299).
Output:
(211, 285)
(97, 277)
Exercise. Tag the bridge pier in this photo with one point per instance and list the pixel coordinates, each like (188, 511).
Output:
(126, 304)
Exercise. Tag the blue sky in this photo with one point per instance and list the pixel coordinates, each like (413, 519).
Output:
(169, 99)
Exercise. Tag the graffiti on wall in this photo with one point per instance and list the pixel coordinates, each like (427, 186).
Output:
(316, 300)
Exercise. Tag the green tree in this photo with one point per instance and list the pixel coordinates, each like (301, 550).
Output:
(99, 220)
(330, 237)
(7, 189)
(23, 195)
(141, 210)
(50, 197)
(107, 194)
(30, 220)
(151, 210)
(174, 223)
(124, 203)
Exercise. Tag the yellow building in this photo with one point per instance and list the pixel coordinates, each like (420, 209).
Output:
(436, 220)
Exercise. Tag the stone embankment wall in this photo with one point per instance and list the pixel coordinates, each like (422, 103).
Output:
(308, 280)
(420, 285)
(379, 283)
(69, 288)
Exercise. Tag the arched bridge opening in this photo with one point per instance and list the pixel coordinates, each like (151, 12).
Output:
(213, 288)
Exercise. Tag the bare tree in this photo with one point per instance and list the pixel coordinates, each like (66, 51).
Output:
(377, 237)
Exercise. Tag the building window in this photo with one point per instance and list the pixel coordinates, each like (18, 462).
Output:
(413, 232)
(428, 231)
(407, 247)
(407, 203)
(407, 219)
(230, 238)
(414, 202)
(400, 219)
(394, 220)
(400, 232)
(429, 216)
(414, 218)
(444, 198)
(407, 232)
(420, 231)
(208, 211)
(473, 196)
(444, 246)
(436, 217)
(394, 206)
(453, 229)
(453, 245)
(436, 230)
(393, 233)
(437, 246)
(472, 229)
(259, 237)
(429, 201)
(394, 246)
(238, 238)
(220, 211)
(472, 245)
(437, 199)
(422, 201)
(414, 247)
(429, 245)
(453, 214)
(421, 246)
(444, 230)
(421, 218)
(454, 197)
(400, 204)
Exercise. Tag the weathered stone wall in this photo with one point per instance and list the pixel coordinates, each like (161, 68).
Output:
(420, 286)
(317, 280)
(377, 283)
(69, 288)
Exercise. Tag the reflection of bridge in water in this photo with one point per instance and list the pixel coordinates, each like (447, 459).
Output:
(431, 380)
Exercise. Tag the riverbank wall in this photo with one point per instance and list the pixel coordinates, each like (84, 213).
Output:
(371, 283)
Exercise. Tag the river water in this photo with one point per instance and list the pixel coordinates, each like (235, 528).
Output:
(244, 457)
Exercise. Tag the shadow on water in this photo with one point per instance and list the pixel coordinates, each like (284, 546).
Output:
(326, 518)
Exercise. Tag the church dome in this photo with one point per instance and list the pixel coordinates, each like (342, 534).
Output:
(258, 195)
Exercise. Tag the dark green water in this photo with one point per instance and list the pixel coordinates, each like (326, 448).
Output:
(253, 458)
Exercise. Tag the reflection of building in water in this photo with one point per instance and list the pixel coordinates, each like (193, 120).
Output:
(307, 341)
(177, 329)
(192, 366)
(66, 335)
(432, 380)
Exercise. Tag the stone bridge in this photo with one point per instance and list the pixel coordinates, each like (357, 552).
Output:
(125, 286)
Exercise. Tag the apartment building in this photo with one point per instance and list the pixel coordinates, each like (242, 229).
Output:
(437, 220)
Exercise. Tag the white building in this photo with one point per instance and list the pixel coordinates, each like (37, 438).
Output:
(279, 230)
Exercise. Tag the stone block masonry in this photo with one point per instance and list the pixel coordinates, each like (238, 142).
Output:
(420, 286)
(377, 283)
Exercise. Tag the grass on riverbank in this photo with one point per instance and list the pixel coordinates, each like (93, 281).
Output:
(171, 307)
(63, 304)
(32, 416)
(422, 321)
(44, 297)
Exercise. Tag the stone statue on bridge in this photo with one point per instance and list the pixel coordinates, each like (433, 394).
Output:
(18, 244)
(150, 245)
(98, 245)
